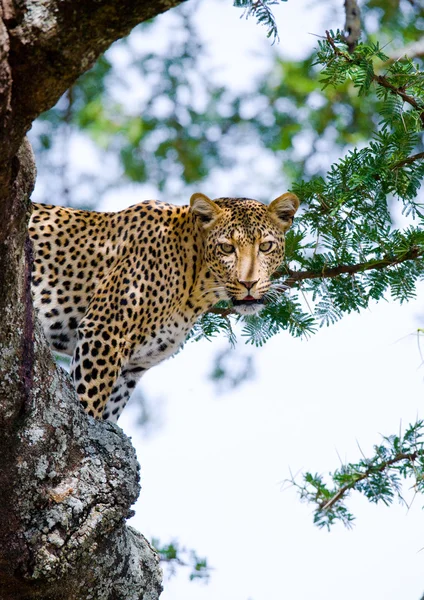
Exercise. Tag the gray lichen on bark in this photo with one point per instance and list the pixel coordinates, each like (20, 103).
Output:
(69, 482)
(77, 480)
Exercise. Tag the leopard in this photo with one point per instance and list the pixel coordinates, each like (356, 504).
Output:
(119, 292)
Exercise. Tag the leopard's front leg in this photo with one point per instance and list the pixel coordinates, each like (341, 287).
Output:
(96, 365)
(122, 390)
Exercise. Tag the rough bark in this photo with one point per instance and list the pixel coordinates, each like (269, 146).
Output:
(49, 43)
(67, 482)
(70, 482)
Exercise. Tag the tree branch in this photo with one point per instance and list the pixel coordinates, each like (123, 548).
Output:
(49, 45)
(381, 80)
(294, 277)
(407, 161)
(352, 24)
(411, 456)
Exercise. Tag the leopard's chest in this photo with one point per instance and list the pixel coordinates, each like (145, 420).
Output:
(162, 342)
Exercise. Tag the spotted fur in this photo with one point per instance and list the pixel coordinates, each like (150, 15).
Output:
(119, 292)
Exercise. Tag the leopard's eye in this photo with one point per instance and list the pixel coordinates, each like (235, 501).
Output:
(266, 246)
(226, 248)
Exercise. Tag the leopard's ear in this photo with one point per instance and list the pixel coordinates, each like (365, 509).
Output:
(284, 208)
(204, 209)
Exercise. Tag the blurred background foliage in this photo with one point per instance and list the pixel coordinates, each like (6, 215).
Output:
(339, 129)
(166, 121)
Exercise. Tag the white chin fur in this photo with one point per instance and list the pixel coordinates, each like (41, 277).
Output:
(248, 309)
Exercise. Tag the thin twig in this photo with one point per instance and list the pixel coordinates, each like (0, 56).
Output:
(224, 312)
(407, 161)
(413, 50)
(411, 456)
(384, 82)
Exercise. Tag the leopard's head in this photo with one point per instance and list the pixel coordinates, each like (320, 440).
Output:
(244, 244)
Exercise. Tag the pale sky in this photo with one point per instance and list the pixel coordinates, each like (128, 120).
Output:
(212, 476)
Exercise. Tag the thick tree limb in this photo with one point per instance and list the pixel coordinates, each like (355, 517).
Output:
(51, 43)
(67, 482)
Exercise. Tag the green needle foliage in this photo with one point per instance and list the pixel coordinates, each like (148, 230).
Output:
(345, 250)
(170, 134)
(358, 253)
(262, 12)
(378, 478)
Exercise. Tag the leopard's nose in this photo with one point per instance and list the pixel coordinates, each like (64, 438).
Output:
(248, 284)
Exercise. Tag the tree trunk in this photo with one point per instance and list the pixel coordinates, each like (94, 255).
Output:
(67, 482)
